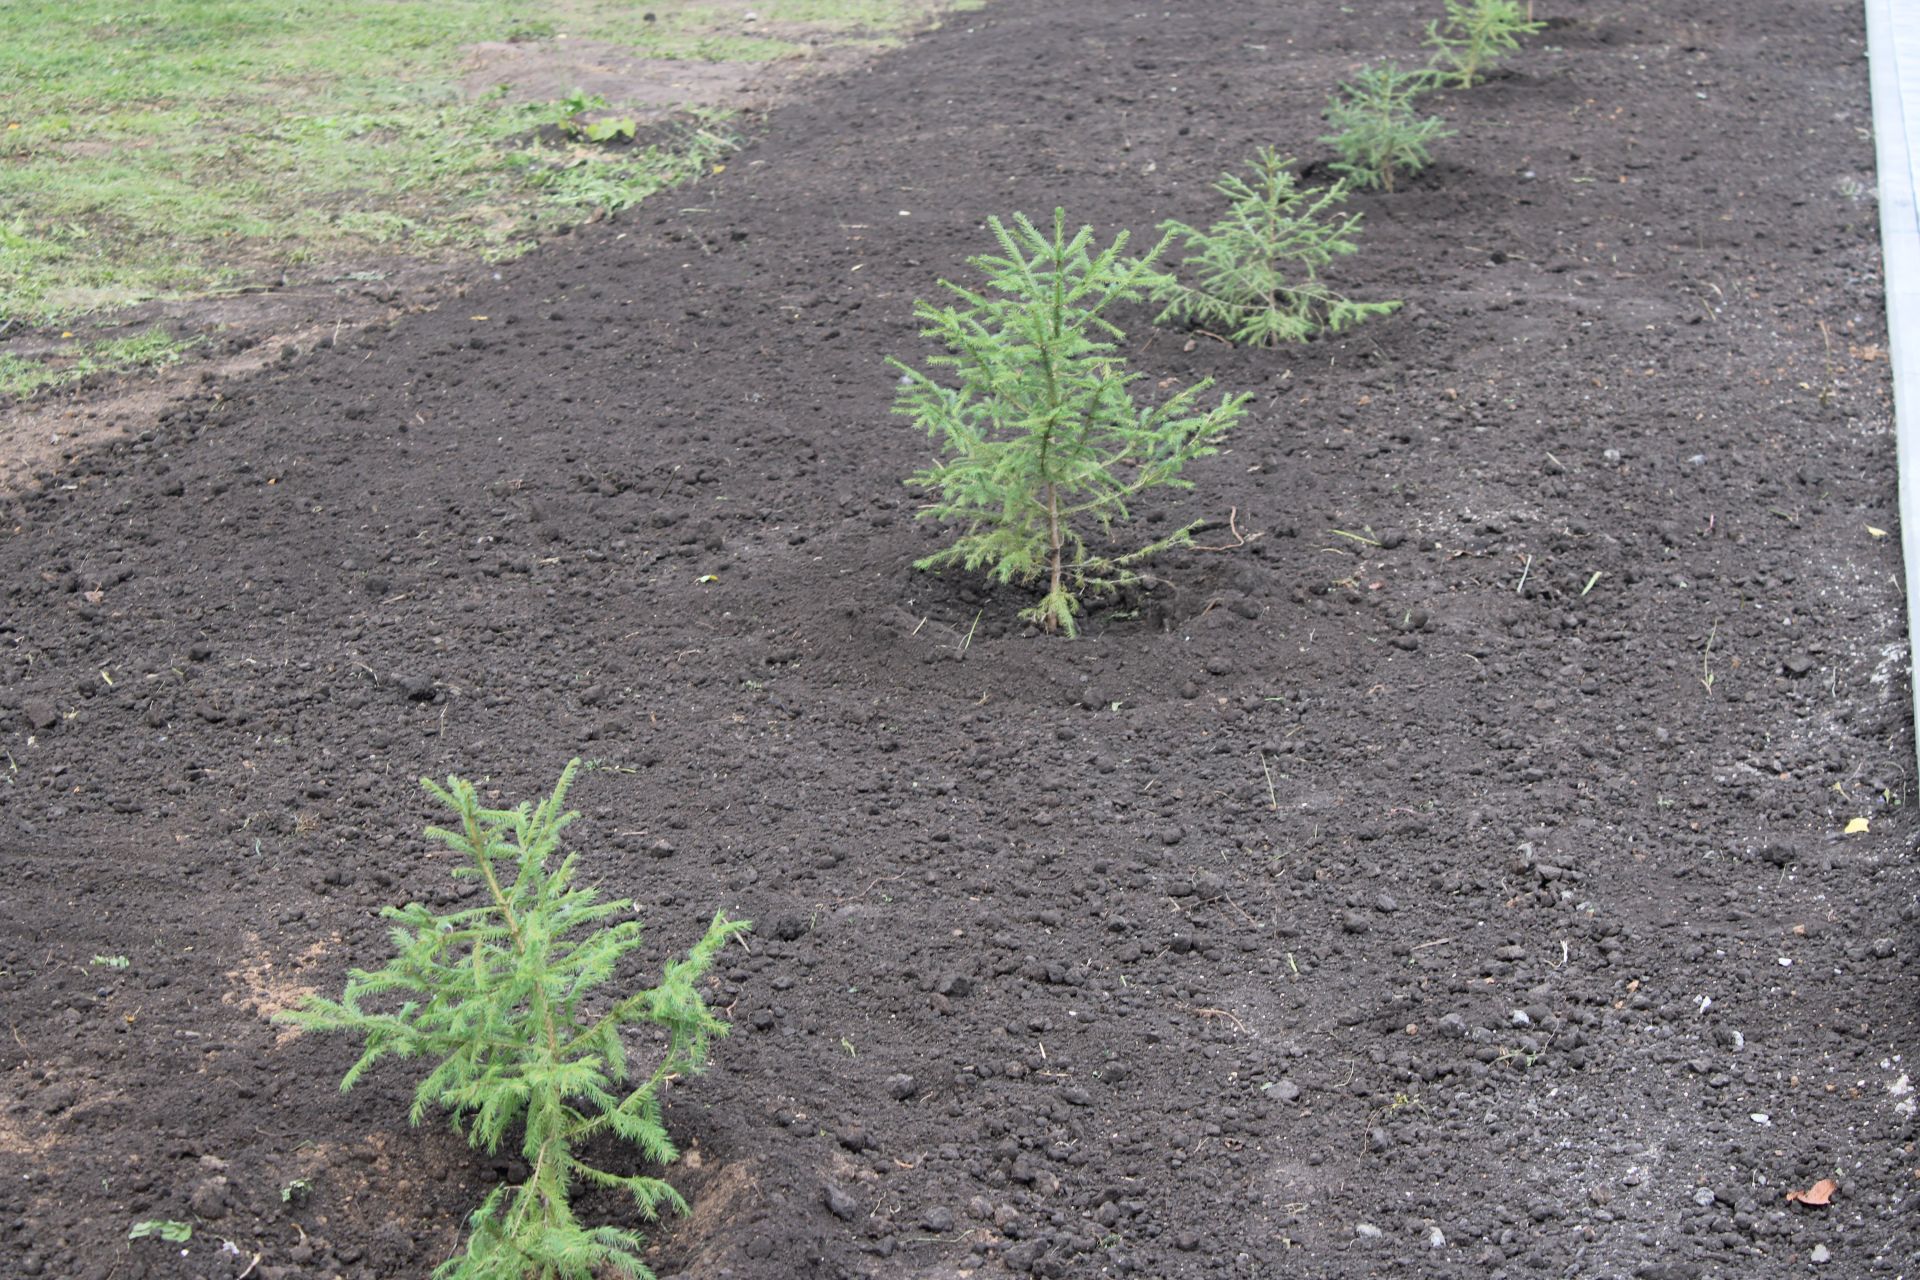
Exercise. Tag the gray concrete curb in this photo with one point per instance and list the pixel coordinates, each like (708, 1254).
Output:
(1893, 48)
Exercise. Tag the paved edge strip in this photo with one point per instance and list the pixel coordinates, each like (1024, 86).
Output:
(1893, 51)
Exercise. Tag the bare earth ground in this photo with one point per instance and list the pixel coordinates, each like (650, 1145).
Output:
(1452, 881)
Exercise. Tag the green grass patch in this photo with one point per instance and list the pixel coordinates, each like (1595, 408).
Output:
(167, 149)
(21, 376)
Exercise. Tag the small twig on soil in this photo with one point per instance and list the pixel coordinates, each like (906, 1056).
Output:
(869, 889)
(968, 638)
(1220, 1013)
(1357, 537)
(1706, 657)
(1244, 914)
(1522, 584)
(916, 630)
(1826, 392)
(1273, 801)
(1233, 526)
(250, 1266)
(1437, 942)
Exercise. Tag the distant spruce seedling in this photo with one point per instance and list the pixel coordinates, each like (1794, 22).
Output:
(1378, 130)
(1474, 36)
(1255, 274)
(1044, 442)
(495, 997)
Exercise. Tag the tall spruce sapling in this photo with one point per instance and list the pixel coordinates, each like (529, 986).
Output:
(1378, 131)
(1475, 35)
(1255, 274)
(497, 997)
(1043, 441)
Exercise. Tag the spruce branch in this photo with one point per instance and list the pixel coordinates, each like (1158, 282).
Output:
(495, 996)
(1042, 437)
(1255, 274)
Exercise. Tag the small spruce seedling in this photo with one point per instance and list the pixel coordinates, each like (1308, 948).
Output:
(1378, 131)
(1256, 273)
(1042, 436)
(1474, 36)
(496, 996)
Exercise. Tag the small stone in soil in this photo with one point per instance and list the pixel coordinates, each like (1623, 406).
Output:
(840, 1204)
(209, 1199)
(414, 688)
(901, 1087)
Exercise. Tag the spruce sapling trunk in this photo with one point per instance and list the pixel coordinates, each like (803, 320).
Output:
(1042, 437)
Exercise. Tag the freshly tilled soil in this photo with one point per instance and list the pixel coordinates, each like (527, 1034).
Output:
(1442, 873)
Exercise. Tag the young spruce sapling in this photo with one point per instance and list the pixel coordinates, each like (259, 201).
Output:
(1044, 443)
(1377, 130)
(1256, 273)
(1475, 35)
(496, 996)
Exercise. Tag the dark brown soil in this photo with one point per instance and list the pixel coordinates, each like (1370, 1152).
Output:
(1465, 898)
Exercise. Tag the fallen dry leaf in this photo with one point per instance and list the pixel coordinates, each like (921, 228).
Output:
(1816, 1195)
(1857, 825)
